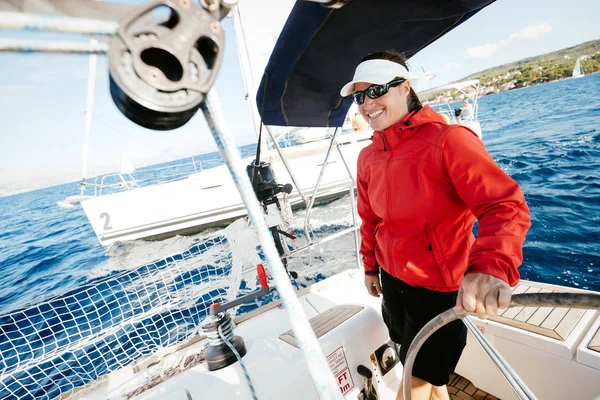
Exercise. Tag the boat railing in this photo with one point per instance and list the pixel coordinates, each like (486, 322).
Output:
(310, 201)
(147, 176)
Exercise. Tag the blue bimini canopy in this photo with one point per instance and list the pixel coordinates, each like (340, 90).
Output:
(318, 49)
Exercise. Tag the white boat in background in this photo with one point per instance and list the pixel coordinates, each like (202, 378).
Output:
(469, 90)
(163, 330)
(210, 198)
(577, 71)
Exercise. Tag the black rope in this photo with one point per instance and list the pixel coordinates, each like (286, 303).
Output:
(257, 160)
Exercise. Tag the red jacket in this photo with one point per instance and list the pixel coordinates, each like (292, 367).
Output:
(421, 184)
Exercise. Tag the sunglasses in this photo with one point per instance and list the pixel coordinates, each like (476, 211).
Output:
(375, 91)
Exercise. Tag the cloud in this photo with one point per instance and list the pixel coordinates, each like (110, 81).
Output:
(480, 52)
(450, 66)
(532, 31)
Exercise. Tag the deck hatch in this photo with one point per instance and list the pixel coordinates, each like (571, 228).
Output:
(325, 322)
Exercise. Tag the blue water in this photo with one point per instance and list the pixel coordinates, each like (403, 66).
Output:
(546, 137)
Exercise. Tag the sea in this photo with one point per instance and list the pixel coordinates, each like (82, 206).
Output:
(546, 137)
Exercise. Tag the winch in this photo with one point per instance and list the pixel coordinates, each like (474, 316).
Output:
(218, 354)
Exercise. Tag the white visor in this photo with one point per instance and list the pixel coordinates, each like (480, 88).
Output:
(376, 72)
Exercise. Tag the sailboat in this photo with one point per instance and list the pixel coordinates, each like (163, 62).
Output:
(469, 89)
(577, 71)
(164, 330)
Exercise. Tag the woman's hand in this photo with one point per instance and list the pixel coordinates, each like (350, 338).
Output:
(373, 285)
(482, 294)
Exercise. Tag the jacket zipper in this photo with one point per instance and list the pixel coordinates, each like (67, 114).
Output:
(441, 266)
(383, 140)
(387, 198)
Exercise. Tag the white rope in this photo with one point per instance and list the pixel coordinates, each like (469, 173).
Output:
(237, 355)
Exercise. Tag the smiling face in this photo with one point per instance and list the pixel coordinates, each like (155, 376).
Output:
(386, 110)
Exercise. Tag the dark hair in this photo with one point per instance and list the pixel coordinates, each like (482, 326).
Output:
(413, 100)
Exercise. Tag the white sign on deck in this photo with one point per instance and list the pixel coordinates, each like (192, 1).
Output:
(339, 365)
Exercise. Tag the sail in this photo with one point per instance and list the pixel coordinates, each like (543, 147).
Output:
(126, 164)
(577, 69)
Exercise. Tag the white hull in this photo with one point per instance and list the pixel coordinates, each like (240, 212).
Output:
(211, 198)
(475, 126)
(563, 368)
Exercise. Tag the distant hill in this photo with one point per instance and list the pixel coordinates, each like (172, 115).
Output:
(529, 71)
(583, 49)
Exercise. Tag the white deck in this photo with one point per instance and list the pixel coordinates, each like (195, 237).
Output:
(550, 366)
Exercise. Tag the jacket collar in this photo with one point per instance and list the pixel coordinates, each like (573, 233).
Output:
(401, 131)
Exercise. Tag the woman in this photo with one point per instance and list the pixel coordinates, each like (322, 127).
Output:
(421, 184)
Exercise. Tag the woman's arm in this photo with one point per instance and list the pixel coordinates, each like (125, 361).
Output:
(496, 201)
(503, 216)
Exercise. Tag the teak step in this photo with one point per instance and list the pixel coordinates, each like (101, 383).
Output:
(460, 388)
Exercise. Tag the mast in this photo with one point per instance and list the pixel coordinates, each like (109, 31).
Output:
(426, 75)
(89, 106)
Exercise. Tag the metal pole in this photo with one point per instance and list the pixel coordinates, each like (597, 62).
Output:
(517, 384)
(353, 204)
(48, 23)
(321, 241)
(339, 149)
(301, 249)
(355, 227)
(312, 199)
(317, 364)
(287, 166)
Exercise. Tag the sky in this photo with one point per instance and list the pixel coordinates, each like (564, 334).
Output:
(43, 96)
(506, 31)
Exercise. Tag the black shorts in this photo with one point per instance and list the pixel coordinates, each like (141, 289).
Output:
(406, 309)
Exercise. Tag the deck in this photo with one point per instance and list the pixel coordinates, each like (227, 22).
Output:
(555, 323)
(460, 388)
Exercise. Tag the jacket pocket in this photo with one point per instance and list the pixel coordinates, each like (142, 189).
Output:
(377, 248)
(438, 256)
